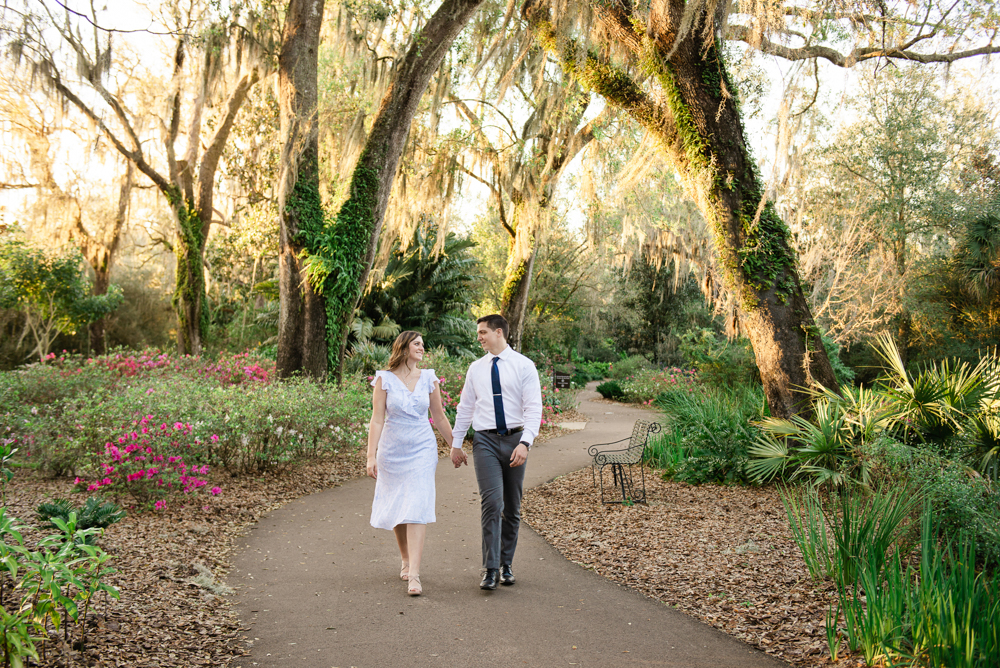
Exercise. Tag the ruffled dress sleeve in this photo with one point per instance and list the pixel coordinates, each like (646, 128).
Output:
(384, 375)
(429, 378)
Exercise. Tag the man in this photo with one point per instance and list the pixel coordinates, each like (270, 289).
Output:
(502, 401)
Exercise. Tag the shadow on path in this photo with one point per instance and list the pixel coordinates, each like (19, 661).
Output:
(318, 587)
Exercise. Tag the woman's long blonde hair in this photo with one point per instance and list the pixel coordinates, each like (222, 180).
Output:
(401, 348)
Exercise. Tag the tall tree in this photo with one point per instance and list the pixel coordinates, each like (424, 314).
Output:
(67, 205)
(684, 97)
(342, 255)
(302, 344)
(188, 180)
(526, 173)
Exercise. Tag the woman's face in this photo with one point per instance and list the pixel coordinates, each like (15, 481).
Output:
(416, 349)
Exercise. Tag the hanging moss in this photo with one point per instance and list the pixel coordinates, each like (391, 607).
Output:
(764, 260)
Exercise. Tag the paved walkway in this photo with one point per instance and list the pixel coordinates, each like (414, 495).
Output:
(318, 587)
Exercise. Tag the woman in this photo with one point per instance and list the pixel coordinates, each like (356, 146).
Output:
(402, 451)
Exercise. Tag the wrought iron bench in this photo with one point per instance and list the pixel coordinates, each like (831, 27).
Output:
(623, 461)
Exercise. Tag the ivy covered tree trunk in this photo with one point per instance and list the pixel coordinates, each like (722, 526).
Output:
(189, 284)
(343, 259)
(700, 129)
(302, 345)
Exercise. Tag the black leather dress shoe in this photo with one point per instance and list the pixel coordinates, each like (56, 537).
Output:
(490, 579)
(506, 575)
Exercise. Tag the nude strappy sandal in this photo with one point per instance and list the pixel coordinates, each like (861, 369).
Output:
(404, 572)
(414, 589)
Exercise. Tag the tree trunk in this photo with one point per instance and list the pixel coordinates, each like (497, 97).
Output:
(702, 133)
(514, 306)
(189, 283)
(752, 240)
(302, 345)
(517, 276)
(353, 241)
(100, 254)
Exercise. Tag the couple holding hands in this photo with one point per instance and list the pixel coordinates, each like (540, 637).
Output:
(501, 400)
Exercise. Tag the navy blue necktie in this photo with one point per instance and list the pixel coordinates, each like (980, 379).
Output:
(498, 399)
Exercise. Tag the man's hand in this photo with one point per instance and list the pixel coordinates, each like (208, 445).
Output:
(458, 457)
(520, 455)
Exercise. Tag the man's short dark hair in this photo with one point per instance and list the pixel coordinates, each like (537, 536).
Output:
(496, 321)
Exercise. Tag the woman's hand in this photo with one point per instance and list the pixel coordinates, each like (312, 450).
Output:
(372, 468)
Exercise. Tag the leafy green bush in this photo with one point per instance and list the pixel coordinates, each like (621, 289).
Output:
(61, 416)
(611, 390)
(52, 585)
(963, 504)
(645, 386)
(720, 363)
(584, 372)
(941, 613)
(714, 429)
(95, 512)
(628, 366)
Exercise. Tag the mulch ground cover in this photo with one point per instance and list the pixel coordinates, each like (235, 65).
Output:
(170, 565)
(721, 554)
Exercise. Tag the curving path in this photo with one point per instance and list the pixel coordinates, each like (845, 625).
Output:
(318, 587)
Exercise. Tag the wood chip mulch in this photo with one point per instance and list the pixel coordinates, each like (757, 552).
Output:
(171, 564)
(721, 554)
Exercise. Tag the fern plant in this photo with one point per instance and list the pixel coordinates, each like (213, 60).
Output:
(94, 513)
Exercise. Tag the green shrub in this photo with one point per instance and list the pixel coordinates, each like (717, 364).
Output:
(646, 385)
(96, 512)
(714, 429)
(611, 390)
(940, 613)
(719, 362)
(629, 366)
(963, 504)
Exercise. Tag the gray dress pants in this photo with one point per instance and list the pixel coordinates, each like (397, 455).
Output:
(500, 488)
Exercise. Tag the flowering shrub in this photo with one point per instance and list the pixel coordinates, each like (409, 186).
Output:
(644, 386)
(147, 461)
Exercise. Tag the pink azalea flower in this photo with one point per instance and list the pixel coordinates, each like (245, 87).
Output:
(215, 492)
(160, 505)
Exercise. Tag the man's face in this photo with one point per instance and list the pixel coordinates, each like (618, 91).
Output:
(489, 339)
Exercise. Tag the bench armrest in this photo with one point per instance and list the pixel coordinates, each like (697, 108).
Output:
(593, 450)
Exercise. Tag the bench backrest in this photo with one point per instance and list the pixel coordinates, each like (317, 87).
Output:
(640, 435)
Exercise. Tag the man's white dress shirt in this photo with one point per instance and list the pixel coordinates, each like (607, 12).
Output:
(522, 396)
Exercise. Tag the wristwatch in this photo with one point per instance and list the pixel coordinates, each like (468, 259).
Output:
(525, 444)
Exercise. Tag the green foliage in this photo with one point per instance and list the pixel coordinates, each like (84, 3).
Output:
(645, 386)
(628, 366)
(337, 249)
(61, 415)
(940, 613)
(720, 363)
(428, 290)
(948, 407)
(95, 512)
(52, 292)
(7, 452)
(963, 504)
(708, 433)
(649, 308)
(51, 585)
(189, 290)
(611, 390)
(843, 373)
